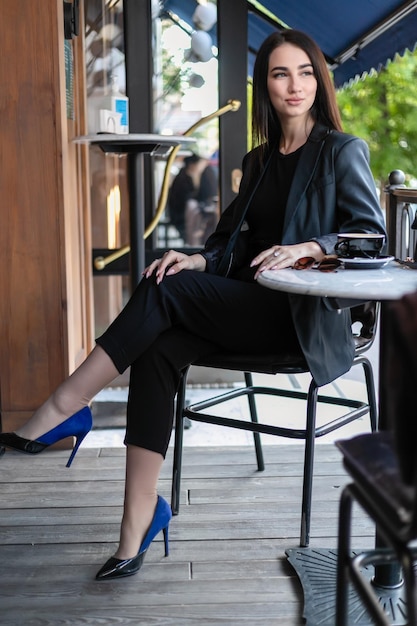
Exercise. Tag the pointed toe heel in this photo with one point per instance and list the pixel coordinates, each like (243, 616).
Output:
(119, 568)
(78, 426)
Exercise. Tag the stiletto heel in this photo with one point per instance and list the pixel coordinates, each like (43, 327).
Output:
(78, 442)
(78, 425)
(118, 568)
(166, 541)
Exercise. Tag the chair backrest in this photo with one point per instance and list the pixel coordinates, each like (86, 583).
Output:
(366, 316)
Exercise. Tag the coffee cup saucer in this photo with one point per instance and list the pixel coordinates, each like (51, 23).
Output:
(360, 263)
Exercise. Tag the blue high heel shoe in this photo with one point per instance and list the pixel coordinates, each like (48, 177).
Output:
(117, 568)
(78, 426)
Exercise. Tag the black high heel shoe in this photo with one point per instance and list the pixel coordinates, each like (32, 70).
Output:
(118, 568)
(78, 425)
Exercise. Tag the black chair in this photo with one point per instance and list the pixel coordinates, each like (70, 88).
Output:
(288, 364)
(383, 466)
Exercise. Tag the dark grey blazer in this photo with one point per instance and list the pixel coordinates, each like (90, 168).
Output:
(333, 191)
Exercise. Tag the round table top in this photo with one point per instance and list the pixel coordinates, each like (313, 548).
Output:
(388, 283)
(134, 142)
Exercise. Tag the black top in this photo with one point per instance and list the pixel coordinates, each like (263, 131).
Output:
(265, 216)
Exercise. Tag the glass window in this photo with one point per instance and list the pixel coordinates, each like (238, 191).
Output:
(109, 197)
(186, 92)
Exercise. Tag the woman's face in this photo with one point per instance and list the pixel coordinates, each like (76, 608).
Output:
(291, 83)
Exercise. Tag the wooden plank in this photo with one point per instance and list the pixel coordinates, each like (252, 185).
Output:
(140, 590)
(259, 529)
(242, 455)
(216, 513)
(187, 551)
(93, 470)
(232, 614)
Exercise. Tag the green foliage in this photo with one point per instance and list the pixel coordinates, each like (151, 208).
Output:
(174, 77)
(382, 109)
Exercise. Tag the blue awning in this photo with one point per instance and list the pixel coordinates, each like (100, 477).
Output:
(355, 35)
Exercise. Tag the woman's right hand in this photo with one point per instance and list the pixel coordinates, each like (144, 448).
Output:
(173, 262)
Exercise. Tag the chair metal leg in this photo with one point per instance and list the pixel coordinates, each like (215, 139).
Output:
(178, 444)
(343, 555)
(370, 390)
(254, 419)
(351, 569)
(409, 577)
(308, 464)
(309, 434)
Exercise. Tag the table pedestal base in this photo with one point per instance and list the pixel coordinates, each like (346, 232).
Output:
(317, 571)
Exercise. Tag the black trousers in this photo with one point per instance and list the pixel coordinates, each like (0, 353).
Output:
(163, 328)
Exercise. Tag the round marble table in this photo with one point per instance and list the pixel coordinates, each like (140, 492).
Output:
(386, 284)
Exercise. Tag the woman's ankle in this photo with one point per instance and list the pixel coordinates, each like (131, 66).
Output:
(135, 526)
(39, 424)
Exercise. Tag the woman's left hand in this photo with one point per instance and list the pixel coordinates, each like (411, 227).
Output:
(173, 262)
(279, 257)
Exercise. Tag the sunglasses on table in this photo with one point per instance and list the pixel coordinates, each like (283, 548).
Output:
(327, 264)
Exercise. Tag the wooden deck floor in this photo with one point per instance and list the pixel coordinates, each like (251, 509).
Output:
(227, 562)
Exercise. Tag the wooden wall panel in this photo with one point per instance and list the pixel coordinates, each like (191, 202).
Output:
(44, 289)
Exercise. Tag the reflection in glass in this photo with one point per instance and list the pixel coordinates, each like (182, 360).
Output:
(185, 90)
(109, 199)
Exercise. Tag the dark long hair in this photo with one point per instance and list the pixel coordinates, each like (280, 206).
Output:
(266, 126)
